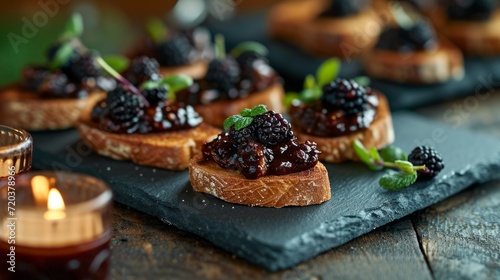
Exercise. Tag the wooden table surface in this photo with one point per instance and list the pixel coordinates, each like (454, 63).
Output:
(458, 238)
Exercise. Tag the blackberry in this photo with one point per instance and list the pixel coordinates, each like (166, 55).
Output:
(100, 110)
(222, 151)
(33, 77)
(346, 95)
(175, 51)
(251, 160)
(246, 61)
(343, 8)
(424, 155)
(223, 75)
(156, 95)
(471, 10)
(272, 128)
(125, 107)
(242, 136)
(56, 85)
(176, 116)
(142, 69)
(421, 36)
(82, 66)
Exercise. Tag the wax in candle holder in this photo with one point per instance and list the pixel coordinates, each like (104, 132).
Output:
(58, 227)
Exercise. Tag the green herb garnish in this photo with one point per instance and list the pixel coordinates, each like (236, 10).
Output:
(173, 84)
(117, 62)
(245, 118)
(73, 28)
(248, 47)
(313, 85)
(157, 30)
(389, 157)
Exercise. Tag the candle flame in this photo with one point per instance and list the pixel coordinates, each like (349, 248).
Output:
(40, 188)
(56, 206)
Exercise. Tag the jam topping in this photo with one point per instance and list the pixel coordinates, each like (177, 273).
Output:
(231, 79)
(343, 108)
(474, 10)
(419, 37)
(344, 8)
(124, 112)
(265, 146)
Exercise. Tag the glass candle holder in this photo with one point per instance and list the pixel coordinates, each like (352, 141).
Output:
(16, 146)
(55, 225)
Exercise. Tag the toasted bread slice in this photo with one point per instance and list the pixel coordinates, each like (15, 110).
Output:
(215, 113)
(478, 38)
(347, 37)
(303, 188)
(196, 70)
(340, 149)
(421, 67)
(25, 109)
(167, 150)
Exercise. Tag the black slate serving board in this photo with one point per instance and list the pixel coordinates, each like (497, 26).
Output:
(280, 238)
(481, 74)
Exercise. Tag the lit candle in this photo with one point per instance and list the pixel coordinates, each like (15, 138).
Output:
(59, 229)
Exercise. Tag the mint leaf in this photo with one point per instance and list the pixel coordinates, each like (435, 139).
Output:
(229, 122)
(257, 110)
(220, 47)
(177, 82)
(246, 112)
(74, 27)
(397, 181)
(150, 85)
(248, 47)
(310, 94)
(363, 80)
(290, 97)
(364, 155)
(62, 55)
(157, 30)
(375, 155)
(117, 62)
(406, 166)
(327, 71)
(309, 82)
(243, 122)
(393, 153)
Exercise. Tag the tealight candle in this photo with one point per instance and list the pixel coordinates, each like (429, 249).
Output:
(58, 228)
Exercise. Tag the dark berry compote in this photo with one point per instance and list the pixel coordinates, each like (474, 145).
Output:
(178, 47)
(129, 110)
(420, 36)
(231, 78)
(77, 77)
(266, 146)
(344, 8)
(471, 10)
(344, 107)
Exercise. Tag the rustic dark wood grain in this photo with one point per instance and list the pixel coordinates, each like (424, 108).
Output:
(461, 236)
(146, 248)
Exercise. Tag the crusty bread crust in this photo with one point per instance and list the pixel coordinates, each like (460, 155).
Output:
(216, 112)
(24, 109)
(308, 187)
(339, 149)
(296, 22)
(167, 150)
(422, 67)
(196, 70)
(478, 38)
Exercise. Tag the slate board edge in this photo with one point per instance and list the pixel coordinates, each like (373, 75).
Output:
(317, 240)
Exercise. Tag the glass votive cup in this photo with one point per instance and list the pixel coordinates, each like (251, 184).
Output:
(16, 147)
(55, 225)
